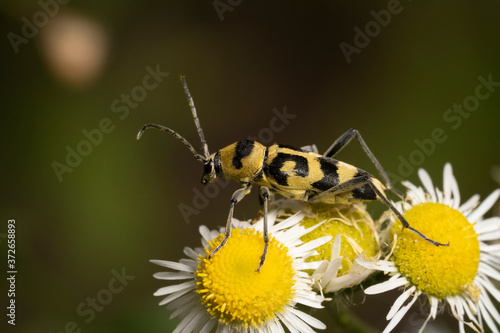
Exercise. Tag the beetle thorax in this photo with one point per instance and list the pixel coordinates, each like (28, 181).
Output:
(243, 160)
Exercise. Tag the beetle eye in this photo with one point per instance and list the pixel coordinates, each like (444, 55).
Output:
(208, 168)
(208, 173)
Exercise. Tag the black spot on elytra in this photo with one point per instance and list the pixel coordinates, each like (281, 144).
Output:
(365, 191)
(300, 169)
(330, 174)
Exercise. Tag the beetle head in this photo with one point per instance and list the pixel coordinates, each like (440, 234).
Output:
(211, 169)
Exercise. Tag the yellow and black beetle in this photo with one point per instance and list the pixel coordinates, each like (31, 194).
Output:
(291, 172)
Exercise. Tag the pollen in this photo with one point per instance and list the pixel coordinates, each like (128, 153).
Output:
(440, 271)
(231, 288)
(355, 226)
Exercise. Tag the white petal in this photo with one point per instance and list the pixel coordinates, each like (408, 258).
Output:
(174, 265)
(289, 222)
(314, 243)
(484, 206)
(320, 269)
(177, 287)
(335, 262)
(298, 323)
(493, 249)
(440, 196)
(193, 254)
(461, 328)
(310, 265)
(489, 236)
(450, 184)
(222, 329)
(287, 322)
(301, 231)
(313, 303)
(356, 275)
(386, 286)
(400, 314)
(487, 318)
(172, 276)
(454, 186)
(198, 321)
(187, 321)
(189, 299)
(310, 320)
(456, 306)
(472, 306)
(434, 306)
(417, 194)
(183, 305)
(189, 262)
(447, 175)
(432, 313)
(381, 265)
(174, 296)
(489, 271)
(487, 308)
(469, 204)
(427, 182)
(331, 272)
(273, 325)
(336, 246)
(460, 305)
(205, 233)
(470, 315)
(271, 220)
(208, 326)
(488, 225)
(399, 302)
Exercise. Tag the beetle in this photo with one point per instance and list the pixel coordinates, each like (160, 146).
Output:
(294, 173)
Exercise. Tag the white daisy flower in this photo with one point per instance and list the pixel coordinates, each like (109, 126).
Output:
(458, 275)
(355, 238)
(227, 293)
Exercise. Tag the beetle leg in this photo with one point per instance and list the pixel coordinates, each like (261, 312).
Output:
(354, 183)
(264, 194)
(344, 139)
(237, 196)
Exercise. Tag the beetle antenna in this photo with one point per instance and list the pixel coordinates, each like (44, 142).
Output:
(195, 117)
(199, 157)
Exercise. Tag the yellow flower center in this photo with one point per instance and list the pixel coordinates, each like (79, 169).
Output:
(440, 271)
(354, 225)
(232, 289)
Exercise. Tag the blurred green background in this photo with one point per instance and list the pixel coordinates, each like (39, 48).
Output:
(119, 205)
